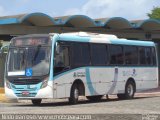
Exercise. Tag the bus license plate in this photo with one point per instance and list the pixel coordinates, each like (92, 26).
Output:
(25, 93)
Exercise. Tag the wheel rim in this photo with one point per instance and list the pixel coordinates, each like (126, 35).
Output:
(130, 90)
(76, 93)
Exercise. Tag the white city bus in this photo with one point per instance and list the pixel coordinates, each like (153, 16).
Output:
(78, 64)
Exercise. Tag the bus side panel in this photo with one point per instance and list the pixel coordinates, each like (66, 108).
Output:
(148, 78)
(144, 77)
(63, 82)
(103, 78)
(118, 82)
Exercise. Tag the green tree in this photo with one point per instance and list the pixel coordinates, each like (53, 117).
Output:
(155, 13)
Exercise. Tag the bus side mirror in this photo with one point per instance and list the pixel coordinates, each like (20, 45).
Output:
(4, 49)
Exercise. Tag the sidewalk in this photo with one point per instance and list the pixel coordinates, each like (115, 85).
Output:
(3, 98)
(151, 92)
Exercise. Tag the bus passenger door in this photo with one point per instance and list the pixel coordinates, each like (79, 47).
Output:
(61, 65)
(99, 70)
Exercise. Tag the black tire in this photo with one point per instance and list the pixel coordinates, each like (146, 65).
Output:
(94, 98)
(129, 91)
(74, 94)
(36, 102)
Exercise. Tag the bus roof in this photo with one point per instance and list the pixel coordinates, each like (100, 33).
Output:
(93, 38)
(101, 38)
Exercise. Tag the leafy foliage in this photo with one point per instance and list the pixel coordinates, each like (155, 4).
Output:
(155, 13)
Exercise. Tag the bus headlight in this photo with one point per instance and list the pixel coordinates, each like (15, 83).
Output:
(8, 85)
(44, 83)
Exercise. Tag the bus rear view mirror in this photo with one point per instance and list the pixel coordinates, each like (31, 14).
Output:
(4, 49)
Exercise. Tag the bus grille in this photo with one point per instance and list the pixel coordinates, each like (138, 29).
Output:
(30, 95)
(25, 81)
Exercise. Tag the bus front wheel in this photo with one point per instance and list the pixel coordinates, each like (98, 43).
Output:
(36, 102)
(74, 94)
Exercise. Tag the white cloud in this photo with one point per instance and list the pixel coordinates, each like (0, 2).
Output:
(129, 9)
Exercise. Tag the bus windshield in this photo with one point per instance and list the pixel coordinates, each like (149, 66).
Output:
(36, 58)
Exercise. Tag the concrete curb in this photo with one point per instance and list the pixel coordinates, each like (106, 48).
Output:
(2, 95)
(3, 99)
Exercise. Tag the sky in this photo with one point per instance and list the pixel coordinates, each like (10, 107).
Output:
(129, 9)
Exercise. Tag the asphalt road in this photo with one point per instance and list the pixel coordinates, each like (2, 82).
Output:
(141, 104)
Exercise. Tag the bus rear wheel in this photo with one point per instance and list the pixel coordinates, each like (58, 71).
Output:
(74, 94)
(129, 91)
(36, 102)
(94, 98)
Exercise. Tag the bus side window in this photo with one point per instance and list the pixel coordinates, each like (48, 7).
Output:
(142, 59)
(99, 54)
(80, 54)
(153, 56)
(148, 55)
(116, 55)
(131, 55)
(145, 56)
(61, 59)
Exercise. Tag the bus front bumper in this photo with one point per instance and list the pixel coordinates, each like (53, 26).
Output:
(43, 93)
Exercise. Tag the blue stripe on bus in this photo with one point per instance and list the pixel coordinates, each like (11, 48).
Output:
(132, 42)
(69, 71)
(115, 80)
(89, 83)
(67, 37)
(64, 73)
